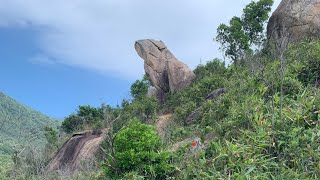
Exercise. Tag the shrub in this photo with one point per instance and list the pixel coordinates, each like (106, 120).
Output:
(213, 67)
(182, 112)
(291, 86)
(87, 117)
(210, 77)
(144, 108)
(304, 59)
(138, 149)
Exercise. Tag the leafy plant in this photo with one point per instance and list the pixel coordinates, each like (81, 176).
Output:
(138, 149)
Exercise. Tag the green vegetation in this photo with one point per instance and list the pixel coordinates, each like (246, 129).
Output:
(86, 117)
(140, 87)
(250, 140)
(264, 126)
(20, 125)
(237, 38)
(5, 165)
(23, 132)
(249, 132)
(137, 148)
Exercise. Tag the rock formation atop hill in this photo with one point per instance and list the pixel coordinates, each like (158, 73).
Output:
(166, 73)
(294, 20)
(81, 146)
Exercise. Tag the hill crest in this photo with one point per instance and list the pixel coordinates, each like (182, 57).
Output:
(20, 125)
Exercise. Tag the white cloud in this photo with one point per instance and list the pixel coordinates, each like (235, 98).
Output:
(100, 34)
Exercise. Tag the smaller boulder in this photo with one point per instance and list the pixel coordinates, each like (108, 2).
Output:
(216, 93)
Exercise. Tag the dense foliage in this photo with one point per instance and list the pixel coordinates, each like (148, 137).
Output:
(137, 148)
(249, 138)
(209, 78)
(305, 61)
(52, 139)
(86, 117)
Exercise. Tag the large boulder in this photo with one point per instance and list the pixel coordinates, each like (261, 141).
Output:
(294, 20)
(166, 73)
(80, 147)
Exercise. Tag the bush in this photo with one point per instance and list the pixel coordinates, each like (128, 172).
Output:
(304, 59)
(292, 87)
(144, 108)
(210, 77)
(182, 112)
(138, 149)
(213, 67)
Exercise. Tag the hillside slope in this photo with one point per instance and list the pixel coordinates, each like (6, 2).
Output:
(20, 125)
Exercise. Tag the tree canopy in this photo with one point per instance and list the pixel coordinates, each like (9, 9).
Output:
(237, 38)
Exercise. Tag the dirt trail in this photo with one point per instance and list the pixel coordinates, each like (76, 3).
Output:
(79, 147)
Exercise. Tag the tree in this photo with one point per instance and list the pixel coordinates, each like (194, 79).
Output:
(140, 87)
(90, 114)
(211, 68)
(72, 123)
(238, 37)
(254, 18)
(233, 39)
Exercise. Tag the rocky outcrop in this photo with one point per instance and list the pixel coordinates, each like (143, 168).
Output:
(80, 147)
(166, 73)
(294, 20)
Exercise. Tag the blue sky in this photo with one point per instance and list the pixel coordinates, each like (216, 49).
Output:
(57, 55)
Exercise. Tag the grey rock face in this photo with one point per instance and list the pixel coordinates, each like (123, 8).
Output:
(294, 20)
(152, 91)
(166, 73)
(180, 76)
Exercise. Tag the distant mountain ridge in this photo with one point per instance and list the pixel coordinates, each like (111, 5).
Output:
(20, 125)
